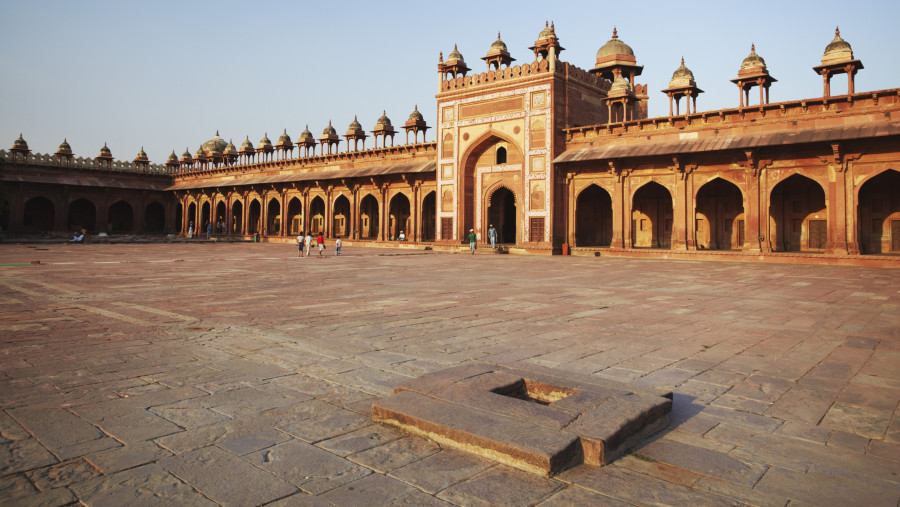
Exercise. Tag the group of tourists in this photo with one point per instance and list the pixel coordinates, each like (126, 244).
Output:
(304, 243)
(473, 239)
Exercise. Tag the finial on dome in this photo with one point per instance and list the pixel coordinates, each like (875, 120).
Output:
(837, 31)
(217, 132)
(615, 33)
(498, 35)
(682, 61)
(752, 47)
(441, 56)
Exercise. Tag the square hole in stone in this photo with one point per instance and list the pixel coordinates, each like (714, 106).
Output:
(536, 392)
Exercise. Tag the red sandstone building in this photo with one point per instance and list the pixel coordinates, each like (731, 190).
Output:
(559, 159)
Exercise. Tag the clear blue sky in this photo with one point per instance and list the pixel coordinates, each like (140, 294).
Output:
(167, 74)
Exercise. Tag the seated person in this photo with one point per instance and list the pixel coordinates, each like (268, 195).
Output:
(78, 237)
(402, 236)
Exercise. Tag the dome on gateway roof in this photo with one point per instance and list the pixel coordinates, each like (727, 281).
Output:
(416, 115)
(383, 120)
(215, 145)
(753, 60)
(614, 47)
(682, 72)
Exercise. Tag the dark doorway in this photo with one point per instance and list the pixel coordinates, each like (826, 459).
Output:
(794, 203)
(720, 209)
(237, 218)
(593, 217)
(40, 214)
(341, 217)
(399, 216)
(295, 215)
(82, 214)
(502, 214)
(429, 215)
(878, 214)
(273, 228)
(368, 217)
(121, 217)
(317, 215)
(154, 218)
(651, 219)
(253, 221)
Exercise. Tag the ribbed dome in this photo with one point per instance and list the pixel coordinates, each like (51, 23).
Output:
(306, 134)
(200, 155)
(753, 60)
(416, 115)
(838, 50)
(329, 130)
(264, 143)
(214, 145)
(247, 145)
(547, 33)
(682, 77)
(230, 149)
(105, 152)
(64, 148)
(186, 155)
(20, 144)
(455, 55)
(620, 83)
(284, 138)
(384, 120)
(173, 158)
(141, 156)
(498, 44)
(614, 47)
(354, 125)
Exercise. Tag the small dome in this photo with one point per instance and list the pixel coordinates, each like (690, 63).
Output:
(173, 158)
(498, 44)
(753, 60)
(141, 156)
(64, 148)
(838, 50)
(682, 77)
(455, 55)
(284, 138)
(416, 115)
(230, 149)
(264, 143)
(105, 152)
(354, 125)
(186, 155)
(20, 144)
(306, 134)
(620, 83)
(384, 120)
(214, 145)
(200, 155)
(614, 47)
(247, 145)
(329, 130)
(547, 33)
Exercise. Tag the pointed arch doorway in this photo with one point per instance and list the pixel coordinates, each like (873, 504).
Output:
(501, 214)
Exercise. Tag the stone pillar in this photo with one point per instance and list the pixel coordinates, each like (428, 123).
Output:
(679, 213)
(619, 217)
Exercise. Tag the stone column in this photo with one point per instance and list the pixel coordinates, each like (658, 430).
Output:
(619, 218)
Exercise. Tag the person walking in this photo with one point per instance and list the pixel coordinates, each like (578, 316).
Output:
(191, 230)
(320, 242)
(472, 239)
(300, 245)
(492, 235)
(307, 241)
(337, 246)
(208, 230)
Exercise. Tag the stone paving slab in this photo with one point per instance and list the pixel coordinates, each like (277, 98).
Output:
(788, 371)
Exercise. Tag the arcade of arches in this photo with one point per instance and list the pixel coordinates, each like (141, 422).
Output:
(377, 214)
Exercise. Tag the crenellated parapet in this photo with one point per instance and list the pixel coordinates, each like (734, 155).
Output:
(525, 70)
(85, 163)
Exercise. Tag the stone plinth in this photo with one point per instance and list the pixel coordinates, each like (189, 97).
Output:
(533, 418)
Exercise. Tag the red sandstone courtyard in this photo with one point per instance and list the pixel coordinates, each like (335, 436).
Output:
(239, 374)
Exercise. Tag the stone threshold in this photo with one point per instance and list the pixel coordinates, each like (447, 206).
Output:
(537, 419)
